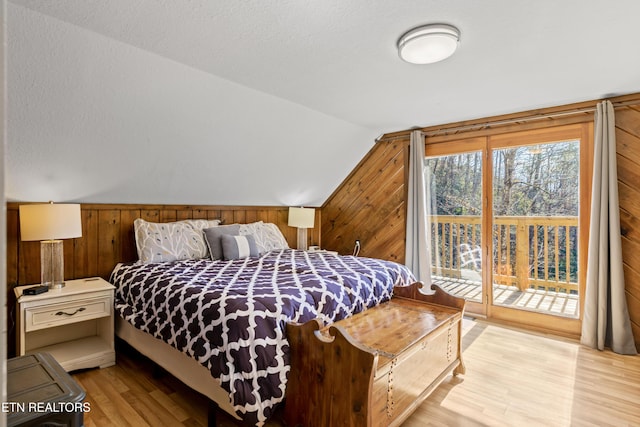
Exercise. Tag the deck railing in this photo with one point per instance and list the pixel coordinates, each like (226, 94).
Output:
(527, 251)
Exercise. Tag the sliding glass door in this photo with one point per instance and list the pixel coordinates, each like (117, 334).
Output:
(536, 200)
(454, 177)
(507, 215)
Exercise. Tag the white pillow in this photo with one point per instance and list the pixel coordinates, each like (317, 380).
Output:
(171, 241)
(268, 236)
(201, 224)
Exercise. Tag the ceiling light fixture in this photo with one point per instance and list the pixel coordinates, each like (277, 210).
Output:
(428, 43)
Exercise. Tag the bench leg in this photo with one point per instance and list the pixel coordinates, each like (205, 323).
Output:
(211, 413)
(157, 372)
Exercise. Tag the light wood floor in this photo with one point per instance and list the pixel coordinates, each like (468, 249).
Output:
(513, 378)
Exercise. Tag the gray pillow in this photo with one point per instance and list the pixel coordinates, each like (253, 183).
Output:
(213, 238)
(238, 247)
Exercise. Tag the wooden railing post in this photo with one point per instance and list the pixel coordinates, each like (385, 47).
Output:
(522, 254)
(537, 256)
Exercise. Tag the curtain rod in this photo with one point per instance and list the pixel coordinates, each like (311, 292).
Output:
(523, 119)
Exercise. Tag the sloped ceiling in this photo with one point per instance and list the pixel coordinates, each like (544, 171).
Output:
(325, 73)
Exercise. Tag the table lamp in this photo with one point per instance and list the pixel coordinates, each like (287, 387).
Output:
(302, 218)
(50, 223)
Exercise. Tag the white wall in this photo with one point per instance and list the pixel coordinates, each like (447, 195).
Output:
(92, 119)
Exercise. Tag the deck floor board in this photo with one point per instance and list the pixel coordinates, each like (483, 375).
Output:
(558, 303)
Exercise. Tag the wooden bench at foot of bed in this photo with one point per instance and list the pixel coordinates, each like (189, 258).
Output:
(376, 367)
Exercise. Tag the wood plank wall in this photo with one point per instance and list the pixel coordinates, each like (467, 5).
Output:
(370, 203)
(107, 238)
(628, 158)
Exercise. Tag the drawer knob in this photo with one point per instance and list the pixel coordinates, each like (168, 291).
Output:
(60, 313)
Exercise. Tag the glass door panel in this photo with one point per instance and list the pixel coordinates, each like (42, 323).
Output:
(454, 187)
(535, 239)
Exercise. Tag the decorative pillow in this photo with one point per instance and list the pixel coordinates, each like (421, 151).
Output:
(213, 237)
(267, 235)
(273, 239)
(170, 241)
(201, 224)
(238, 247)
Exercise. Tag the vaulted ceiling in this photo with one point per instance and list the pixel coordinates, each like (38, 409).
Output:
(336, 62)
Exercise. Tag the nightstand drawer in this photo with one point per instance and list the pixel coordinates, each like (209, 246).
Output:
(71, 312)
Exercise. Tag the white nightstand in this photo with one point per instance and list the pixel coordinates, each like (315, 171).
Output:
(74, 323)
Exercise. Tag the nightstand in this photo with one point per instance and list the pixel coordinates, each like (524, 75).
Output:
(74, 323)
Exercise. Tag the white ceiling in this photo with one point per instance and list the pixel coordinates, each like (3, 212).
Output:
(338, 57)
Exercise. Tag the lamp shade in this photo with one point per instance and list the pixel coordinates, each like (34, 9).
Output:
(50, 221)
(302, 217)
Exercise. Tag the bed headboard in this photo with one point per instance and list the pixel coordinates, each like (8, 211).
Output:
(107, 236)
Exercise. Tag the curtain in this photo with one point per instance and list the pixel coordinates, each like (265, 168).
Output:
(606, 318)
(417, 254)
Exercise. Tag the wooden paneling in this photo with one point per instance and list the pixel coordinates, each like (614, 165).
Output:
(370, 204)
(107, 238)
(628, 157)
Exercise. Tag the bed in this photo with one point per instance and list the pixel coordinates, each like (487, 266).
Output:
(219, 324)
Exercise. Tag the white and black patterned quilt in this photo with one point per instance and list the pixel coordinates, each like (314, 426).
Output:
(230, 315)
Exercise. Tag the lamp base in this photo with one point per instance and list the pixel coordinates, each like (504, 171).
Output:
(52, 263)
(302, 239)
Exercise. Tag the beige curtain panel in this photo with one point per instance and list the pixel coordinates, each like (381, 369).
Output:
(606, 317)
(417, 254)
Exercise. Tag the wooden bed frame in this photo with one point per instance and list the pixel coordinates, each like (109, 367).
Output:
(376, 367)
